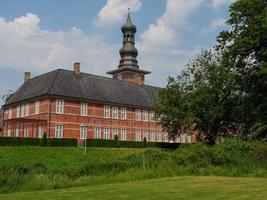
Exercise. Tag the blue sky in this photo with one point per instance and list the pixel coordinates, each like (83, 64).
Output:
(40, 36)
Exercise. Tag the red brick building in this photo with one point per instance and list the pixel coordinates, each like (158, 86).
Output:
(71, 104)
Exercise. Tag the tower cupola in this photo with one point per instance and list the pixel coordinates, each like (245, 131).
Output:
(128, 69)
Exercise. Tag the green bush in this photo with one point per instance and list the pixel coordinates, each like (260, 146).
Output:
(53, 142)
(62, 142)
(129, 144)
(17, 141)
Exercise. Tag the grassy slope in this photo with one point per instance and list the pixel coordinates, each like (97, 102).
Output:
(162, 188)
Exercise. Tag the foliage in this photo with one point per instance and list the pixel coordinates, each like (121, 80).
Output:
(223, 92)
(244, 48)
(53, 142)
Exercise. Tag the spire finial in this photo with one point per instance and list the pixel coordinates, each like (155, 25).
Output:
(129, 10)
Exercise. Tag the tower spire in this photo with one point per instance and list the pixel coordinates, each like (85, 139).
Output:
(128, 62)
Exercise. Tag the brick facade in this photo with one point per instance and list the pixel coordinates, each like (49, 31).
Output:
(35, 124)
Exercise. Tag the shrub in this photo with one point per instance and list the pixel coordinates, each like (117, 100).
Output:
(62, 142)
(44, 140)
(53, 142)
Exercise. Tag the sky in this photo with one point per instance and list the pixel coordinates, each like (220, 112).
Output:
(43, 35)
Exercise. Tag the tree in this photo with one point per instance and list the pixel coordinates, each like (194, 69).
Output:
(201, 97)
(7, 95)
(244, 47)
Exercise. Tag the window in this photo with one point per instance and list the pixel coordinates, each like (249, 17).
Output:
(115, 112)
(159, 137)
(9, 113)
(17, 132)
(106, 134)
(138, 115)
(145, 135)
(138, 135)
(123, 134)
(9, 132)
(83, 132)
(40, 132)
(59, 131)
(152, 136)
(26, 131)
(18, 111)
(165, 137)
(145, 115)
(123, 113)
(189, 138)
(22, 110)
(37, 107)
(27, 107)
(119, 77)
(59, 106)
(97, 134)
(106, 111)
(182, 138)
(151, 116)
(115, 131)
(84, 109)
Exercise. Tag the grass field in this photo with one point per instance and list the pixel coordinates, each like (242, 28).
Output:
(188, 188)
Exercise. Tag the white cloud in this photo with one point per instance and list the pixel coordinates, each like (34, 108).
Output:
(162, 34)
(115, 10)
(217, 3)
(218, 22)
(26, 46)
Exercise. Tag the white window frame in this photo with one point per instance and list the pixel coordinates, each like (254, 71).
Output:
(22, 110)
(106, 134)
(152, 116)
(17, 132)
(152, 136)
(26, 132)
(159, 137)
(18, 111)
(115, 131)
(145, 115)
(106, 111)
(138, 135)
(83, 132)
(27, 110)
(41, 131)
(84, 109)
(138, 115)
(115, 112)
(123, 134)
(145, 134)
(37, 107)
(189, 138)
(59, 130)
(165, 137)
(123, 113)
(60, 106)
(9, 113)
(97, 133)
(9, 131)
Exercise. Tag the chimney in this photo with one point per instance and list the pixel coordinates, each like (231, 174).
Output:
(77, 67)
(27, 76)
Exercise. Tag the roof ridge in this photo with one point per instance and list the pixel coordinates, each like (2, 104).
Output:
(48, 92)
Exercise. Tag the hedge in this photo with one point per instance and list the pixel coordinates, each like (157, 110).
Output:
(129, 144)
(52, 142)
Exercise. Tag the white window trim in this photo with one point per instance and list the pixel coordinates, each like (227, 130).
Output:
(83, 132)
(97, 133)
(59, 130)
(106, 133)
(123, 134)
(106, 111)
(37, 107)
(115, 131)
(138, 115)
(123, 113)
(138, 135)
(84, 109)
(145, 115)
(60, 106)
(115, 112)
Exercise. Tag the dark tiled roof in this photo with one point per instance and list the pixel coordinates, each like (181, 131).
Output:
(88, 87)
(1, 118)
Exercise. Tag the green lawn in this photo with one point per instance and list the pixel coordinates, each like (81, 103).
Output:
(161, 188)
